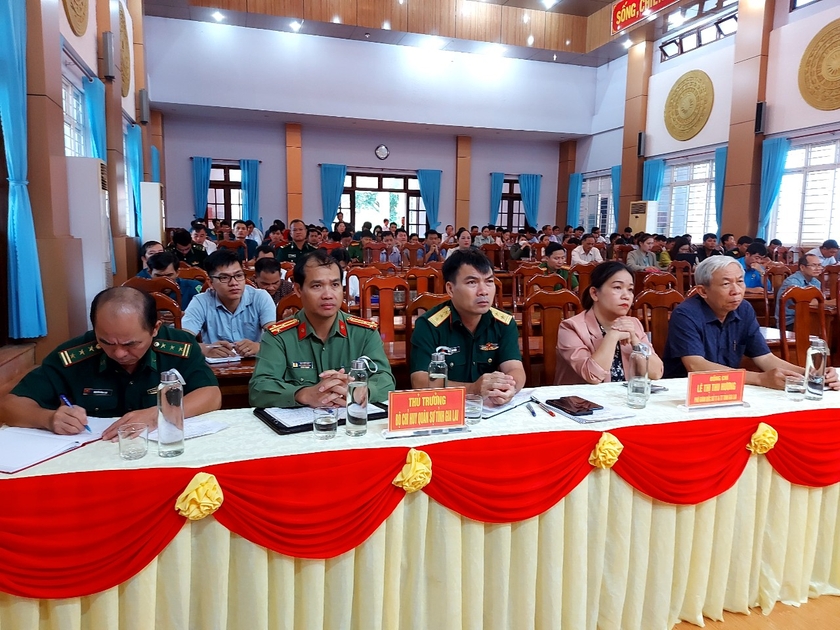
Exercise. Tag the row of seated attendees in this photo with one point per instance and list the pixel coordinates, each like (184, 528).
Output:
(112, 370)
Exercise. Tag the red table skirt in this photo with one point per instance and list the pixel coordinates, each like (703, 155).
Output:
(77, 534)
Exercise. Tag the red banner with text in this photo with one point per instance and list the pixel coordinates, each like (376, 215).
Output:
(626, 13)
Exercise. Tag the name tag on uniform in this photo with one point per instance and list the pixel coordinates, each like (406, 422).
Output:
(152, 390)
(489, 347)
(304, 365)
(92, 391)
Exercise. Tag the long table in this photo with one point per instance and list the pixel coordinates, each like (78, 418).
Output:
(515, 530)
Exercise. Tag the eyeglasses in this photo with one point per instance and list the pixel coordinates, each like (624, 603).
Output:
(227, 279)
(814, 266)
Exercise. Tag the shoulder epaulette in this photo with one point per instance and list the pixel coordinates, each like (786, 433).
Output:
(77, 354)
(501, 316)
(286, 324)
(176, 348)
(361, 321)
(441, 316)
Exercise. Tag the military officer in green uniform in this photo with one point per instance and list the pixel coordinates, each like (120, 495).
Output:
(112, 371)
(304, 361)
(185, 250)
(297, 246)
(483, 341)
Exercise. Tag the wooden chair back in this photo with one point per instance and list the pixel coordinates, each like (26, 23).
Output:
(424, 302)
(520, 277)
(803, 320)
(546, 283)
(385, 268)
(231, 245)
(426, 279)
(782, 254)
(165, 304)
(569, 247)
(185, 265)
(164, 286)
(537, 250)
(438, 264)
(776, 273)
(584, 273)
(195, 273)
(385, 288)
(692, 292)
(371, 252)
(497, 297)
(494, 253)
(830, 277)
(363, 274)
(549, 308)
(655, 308)
(681, 269)
(659, 281)
(410, 254)
(288, 302)
(621, 252)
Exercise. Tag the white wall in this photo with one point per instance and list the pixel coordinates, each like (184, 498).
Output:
(84, 46)
(212, 138)
(303, 74)
(716, 60)
(512, 158)
(610, 96)
(786, 109)
(599, 152)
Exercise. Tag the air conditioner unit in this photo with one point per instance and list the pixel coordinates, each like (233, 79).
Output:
(152, 212)
(90, 221)
(643, 216)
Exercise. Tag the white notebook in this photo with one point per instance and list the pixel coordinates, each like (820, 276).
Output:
(22, 448)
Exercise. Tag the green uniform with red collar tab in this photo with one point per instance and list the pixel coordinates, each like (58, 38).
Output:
(495, 340)
(80, 370)
(292, 357)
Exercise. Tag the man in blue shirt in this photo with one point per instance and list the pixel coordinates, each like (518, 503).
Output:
(231, 315)
(716, 328)
(810, 270)
(165, 265)
(753, 263)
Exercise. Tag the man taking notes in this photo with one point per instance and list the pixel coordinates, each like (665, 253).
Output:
(112, 371)
(715, 329)
(483, 341)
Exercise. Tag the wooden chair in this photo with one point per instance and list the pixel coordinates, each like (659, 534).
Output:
(584, 273)
(385, 287)
(362, 274)
(165, 304)
(681, 269)
(435, 265)
(692, 292)
(655, 308)
(830, 276)
(498, 301)
(621, 252)
(288, 302)
(288, 268)
(782, 254)
(549, 308)
(235, 245)
(194, 273)
(545, 283)
(164, 286)
(659, 281)
(410, 252)
(424, 302)
(494, 253)
(802, 321)
(426, 279)
(385, 268)
(520, 277)
(371, 252)
(569, 247)
(537, 250)
(185, 265)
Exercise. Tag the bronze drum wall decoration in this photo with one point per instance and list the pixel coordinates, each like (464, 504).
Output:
(689, 105)
(77, 15)
(125, 54)
(819, 70)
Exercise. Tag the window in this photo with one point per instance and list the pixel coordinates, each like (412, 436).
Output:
(224, 198)
(702, 35)
(795, 4)
(511, 210)
(377, 197)
(687, 199)
(807, 211)
(596, 207)
(73, 103)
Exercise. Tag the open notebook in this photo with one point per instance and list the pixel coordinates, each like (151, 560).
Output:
(22, 448)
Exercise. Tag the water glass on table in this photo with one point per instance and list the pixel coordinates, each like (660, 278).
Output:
(134, 440)
(795, 388)
(474, 407)
(325, 423)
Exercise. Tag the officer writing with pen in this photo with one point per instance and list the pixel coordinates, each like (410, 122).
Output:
(112, 371)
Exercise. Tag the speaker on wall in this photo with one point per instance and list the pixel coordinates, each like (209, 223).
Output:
(760, 114)
(109, 67)
(640, 145)
(143, 106)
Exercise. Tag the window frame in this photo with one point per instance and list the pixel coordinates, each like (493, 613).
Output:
(603, 214)
(416, 219)
(226, 185)
(76, 142)
(665, 212)
(511, 207)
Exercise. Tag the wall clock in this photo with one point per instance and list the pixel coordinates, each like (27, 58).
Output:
(382, 152)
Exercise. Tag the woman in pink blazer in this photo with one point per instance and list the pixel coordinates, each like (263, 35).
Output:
(595, 346)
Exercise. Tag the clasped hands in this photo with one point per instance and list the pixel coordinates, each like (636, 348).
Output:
(330, 391)
(496, 388)
(624, 328)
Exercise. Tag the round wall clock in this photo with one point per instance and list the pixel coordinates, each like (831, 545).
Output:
(382, 152)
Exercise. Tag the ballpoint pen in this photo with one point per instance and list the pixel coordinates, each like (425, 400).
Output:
(531, 409)
(67, 402)
(544, 407)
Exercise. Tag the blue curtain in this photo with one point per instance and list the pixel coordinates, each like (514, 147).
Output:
(27, 317)
(332, 185)
(201, 184)
(615, 175)
(95, 110)
(773, 158)
(155, 164)
(529, 188)
(497, 183)
(429, 181)
(134, 166)
(575, 190)
(653, 176)
(250, 190)
(720, 182)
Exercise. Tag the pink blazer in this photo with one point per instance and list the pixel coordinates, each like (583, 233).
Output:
(577, 338)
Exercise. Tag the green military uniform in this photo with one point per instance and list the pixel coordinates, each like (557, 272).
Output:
(292, 356)
(356, 252)
(80, 370)
(194, 258)
(563, 273)
(494, 341)
(290, 252)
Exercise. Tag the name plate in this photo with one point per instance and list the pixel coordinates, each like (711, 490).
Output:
(424, 409)
(715, 388)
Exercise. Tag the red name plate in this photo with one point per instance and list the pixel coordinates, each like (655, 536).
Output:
(707, 389)
(626, 13)
(426, 409)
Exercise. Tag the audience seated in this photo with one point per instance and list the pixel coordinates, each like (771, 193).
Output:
(267, 277)
(185, 250)
(827, 252)
(298, 245)
(149, 248)
(555, 258)
(586, 252)
(753, 263)
(810, 270)
(643, 259)
(165, 265)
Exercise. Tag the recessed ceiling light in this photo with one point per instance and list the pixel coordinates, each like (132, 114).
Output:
(218, 16)
(336, 20)
(555, 58)
(549, 3)
(627, 43)
(386, 25)
(295, 26)
(526, 18)
(568, 42)
(432, 42)
(530, 40)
